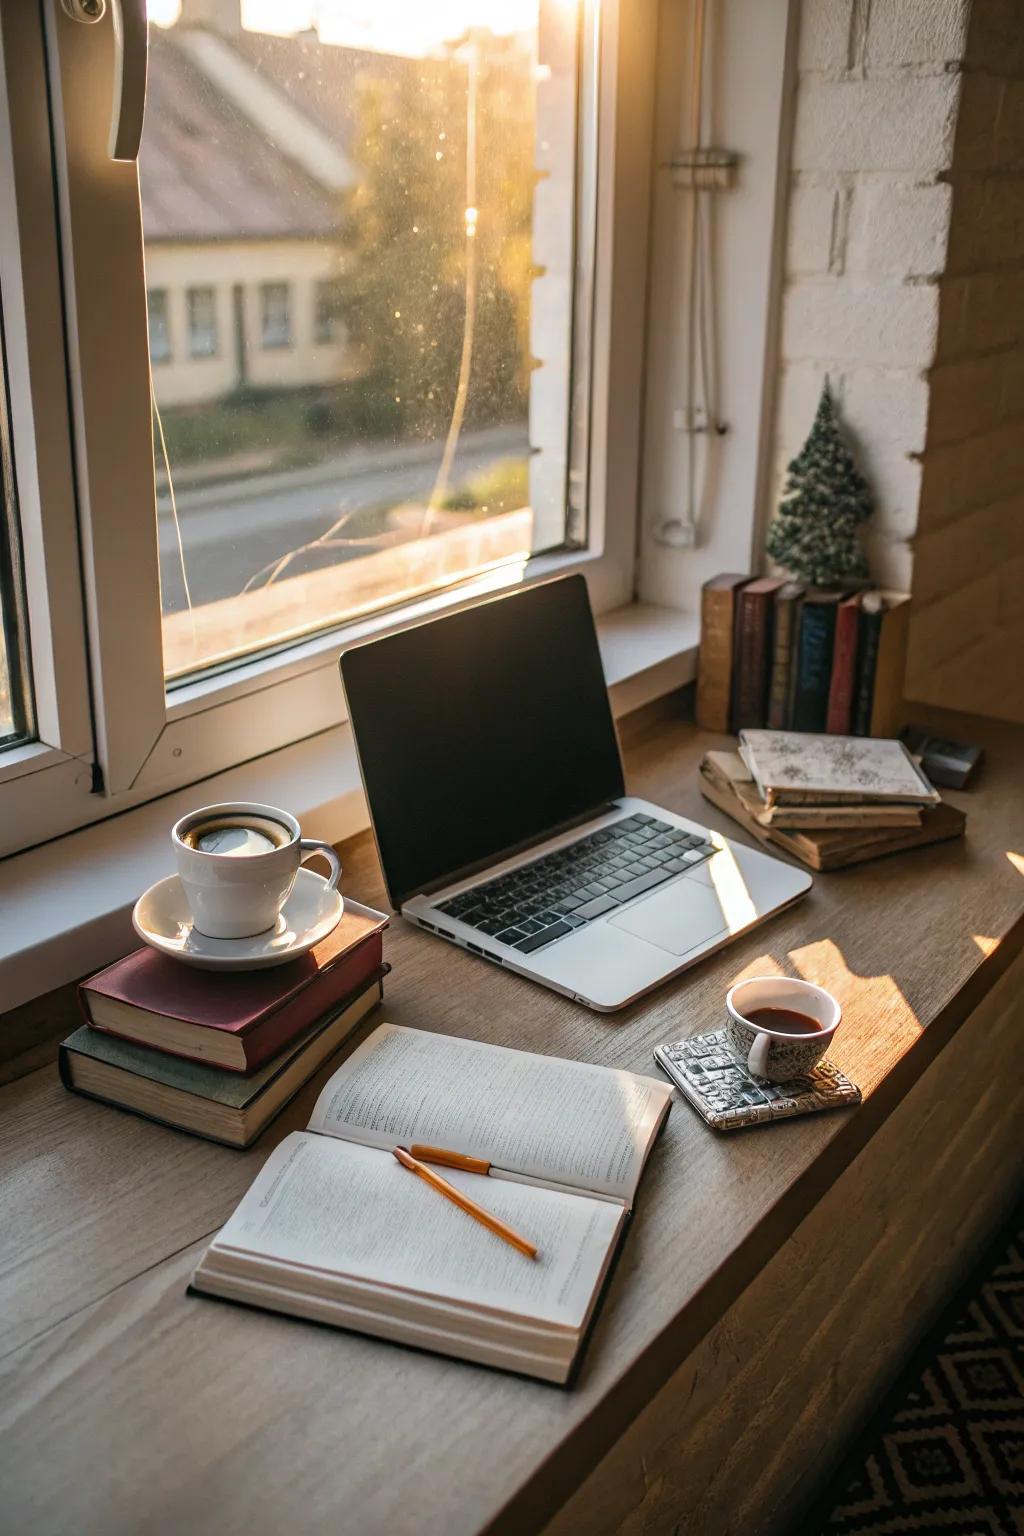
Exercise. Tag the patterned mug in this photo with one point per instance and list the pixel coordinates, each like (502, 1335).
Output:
(771, 1052)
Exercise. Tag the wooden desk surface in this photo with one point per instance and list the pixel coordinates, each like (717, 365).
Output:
(126, 1405)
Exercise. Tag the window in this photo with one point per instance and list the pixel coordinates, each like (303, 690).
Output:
(15, 703)
(159, 325)
(276, 311)
(412, 188)
(202, 322)
(327, 311)
(382, 263)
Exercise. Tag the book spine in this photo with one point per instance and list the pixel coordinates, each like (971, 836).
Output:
(844, 659)
(794, 662)
(890, 669)
(348, 975)
(786, 611)
(814, 666)
(870, 629)
(715, 672)
(750, 665)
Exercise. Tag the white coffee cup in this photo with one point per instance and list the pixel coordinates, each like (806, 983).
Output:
(775, 1053)
(233, 891)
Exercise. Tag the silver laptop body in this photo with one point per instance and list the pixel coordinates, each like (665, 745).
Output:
(604, 909)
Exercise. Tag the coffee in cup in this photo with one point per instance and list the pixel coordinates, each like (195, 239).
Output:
(780, 1025)
(238, 861)
(237, 836)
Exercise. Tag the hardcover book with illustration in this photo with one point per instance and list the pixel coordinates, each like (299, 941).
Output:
(336, 1230)
(793, 768)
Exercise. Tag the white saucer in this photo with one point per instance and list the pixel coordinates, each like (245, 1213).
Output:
(163, 919)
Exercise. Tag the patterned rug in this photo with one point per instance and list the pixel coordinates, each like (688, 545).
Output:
(944, 1456)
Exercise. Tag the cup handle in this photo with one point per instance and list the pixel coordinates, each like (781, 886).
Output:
(310, 845)
(757, 1061)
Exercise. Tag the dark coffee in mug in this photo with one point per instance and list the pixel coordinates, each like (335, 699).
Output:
(783, 1021)
(237, 835)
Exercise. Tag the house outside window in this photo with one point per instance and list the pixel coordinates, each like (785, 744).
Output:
(275, 315)
(326, 311)
(158, 311)
(201, 306)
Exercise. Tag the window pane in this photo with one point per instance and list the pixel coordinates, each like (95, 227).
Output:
(15, 700)
(202, 322)
(365, 232)
(159, 325)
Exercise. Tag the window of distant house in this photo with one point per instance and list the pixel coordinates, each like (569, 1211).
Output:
(202, 322)
(159, 325)
(326, 311)
(276, 314)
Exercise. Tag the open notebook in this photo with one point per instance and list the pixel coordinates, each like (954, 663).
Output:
(334, 1229)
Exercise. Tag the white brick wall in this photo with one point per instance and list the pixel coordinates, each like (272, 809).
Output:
(905, 285)
(967, 640)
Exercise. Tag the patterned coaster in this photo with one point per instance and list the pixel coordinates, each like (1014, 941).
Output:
(706, 1069)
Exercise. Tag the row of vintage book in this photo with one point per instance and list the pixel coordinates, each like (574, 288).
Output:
(220, 1053)
(778, 654)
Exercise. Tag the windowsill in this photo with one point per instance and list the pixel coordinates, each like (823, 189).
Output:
(68, 902)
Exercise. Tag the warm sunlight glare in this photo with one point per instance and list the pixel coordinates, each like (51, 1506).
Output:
(383, 26)
(1017, 860)
(730, 887)
(163, 12)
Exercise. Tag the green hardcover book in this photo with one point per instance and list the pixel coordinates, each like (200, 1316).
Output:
(190, 1096)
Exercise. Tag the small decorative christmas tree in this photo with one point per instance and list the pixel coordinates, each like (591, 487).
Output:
(824, 500)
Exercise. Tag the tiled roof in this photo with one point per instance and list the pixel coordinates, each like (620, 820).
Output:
(207, 173)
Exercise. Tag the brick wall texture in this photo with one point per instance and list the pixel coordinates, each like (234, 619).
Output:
(905, 285)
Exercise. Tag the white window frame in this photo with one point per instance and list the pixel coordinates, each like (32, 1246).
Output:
(148, 743)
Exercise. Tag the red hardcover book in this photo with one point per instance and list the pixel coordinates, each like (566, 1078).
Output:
(752, 651)
(844, 667)
(236, 1019)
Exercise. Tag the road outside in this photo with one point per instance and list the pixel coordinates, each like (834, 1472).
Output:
(237, 531)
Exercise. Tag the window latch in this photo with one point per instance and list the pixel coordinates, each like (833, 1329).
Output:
(131, 58)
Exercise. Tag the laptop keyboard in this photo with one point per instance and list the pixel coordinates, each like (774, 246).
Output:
(540, 902)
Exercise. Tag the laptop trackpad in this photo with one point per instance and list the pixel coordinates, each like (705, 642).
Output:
(677, 918)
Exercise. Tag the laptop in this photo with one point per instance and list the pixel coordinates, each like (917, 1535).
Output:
(496, 793)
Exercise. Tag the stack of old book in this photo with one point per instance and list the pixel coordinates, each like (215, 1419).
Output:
(828, 800)
(220, 1053)
(776, 653)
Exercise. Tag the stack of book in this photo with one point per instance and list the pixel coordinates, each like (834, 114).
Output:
(828, 800)
(221, 1053)
(775, 653)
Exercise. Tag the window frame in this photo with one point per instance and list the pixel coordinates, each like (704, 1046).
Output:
(40, 440)
(149, 741)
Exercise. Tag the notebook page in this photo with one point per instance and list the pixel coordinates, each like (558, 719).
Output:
(568, 1122)
(345, 1209)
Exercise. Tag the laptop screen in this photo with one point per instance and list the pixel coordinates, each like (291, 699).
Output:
(481, 731)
